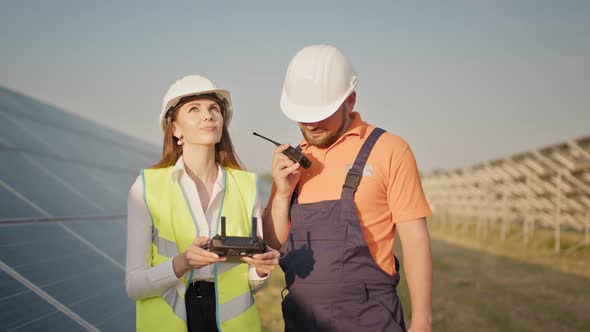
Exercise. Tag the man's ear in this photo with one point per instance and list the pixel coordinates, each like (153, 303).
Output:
(351, 100)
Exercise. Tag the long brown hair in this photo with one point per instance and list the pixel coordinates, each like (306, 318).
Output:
(225, 154)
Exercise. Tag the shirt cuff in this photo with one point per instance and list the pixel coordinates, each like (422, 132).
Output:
(254, 275)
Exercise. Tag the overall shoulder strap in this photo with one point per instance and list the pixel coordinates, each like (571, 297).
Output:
(353, 178)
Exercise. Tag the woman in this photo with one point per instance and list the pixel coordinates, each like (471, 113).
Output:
(175, 206)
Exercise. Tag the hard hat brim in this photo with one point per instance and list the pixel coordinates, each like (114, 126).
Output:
(308, 114)
(172, 102)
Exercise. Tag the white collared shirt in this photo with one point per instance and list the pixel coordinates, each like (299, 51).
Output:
(141, 279)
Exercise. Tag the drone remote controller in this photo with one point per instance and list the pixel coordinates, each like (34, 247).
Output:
(225, 246)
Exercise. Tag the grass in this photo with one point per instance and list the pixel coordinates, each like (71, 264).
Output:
(268, 301)
(574, 257)
(481, 283)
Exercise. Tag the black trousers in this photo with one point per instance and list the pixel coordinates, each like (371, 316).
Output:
(200, 307)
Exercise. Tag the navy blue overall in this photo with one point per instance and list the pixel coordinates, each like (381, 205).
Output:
(333, 280)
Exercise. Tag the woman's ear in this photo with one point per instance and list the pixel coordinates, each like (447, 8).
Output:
(176, 132)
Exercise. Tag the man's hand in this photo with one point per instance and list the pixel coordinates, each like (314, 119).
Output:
(284, 172)
(286, 175)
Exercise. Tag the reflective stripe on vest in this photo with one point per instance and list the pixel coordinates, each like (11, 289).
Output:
(165, 247)
(174, 229)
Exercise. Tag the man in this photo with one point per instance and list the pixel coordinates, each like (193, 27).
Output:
(336, 220)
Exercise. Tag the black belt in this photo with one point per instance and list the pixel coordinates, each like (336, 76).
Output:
(201, 289)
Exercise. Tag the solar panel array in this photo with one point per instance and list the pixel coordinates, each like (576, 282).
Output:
(63, 192)
(548, 187)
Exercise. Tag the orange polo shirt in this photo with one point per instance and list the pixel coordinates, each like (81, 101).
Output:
(389, 192)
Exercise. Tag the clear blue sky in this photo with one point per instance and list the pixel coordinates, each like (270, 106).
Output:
(462, 81)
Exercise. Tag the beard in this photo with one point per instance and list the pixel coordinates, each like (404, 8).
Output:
(328, 137)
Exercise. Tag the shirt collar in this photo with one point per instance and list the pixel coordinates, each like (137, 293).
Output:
(178, 171)
(357, 128)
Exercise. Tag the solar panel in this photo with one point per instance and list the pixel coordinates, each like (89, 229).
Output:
(92, 189)
(63, 191)
(47, 191)
(23, 310)
(11, 134)
(109, 235)
(14, 207)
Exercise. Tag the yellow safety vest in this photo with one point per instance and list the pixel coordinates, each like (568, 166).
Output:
(174, 229)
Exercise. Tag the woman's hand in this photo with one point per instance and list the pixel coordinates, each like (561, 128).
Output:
(264, 263)
(195, 257)
(198, 257)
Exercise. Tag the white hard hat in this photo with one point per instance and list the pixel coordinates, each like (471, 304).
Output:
(190, 86)
(318, 80)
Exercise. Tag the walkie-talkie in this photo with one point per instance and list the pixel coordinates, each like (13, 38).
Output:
(291, 152)
(225, 246)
